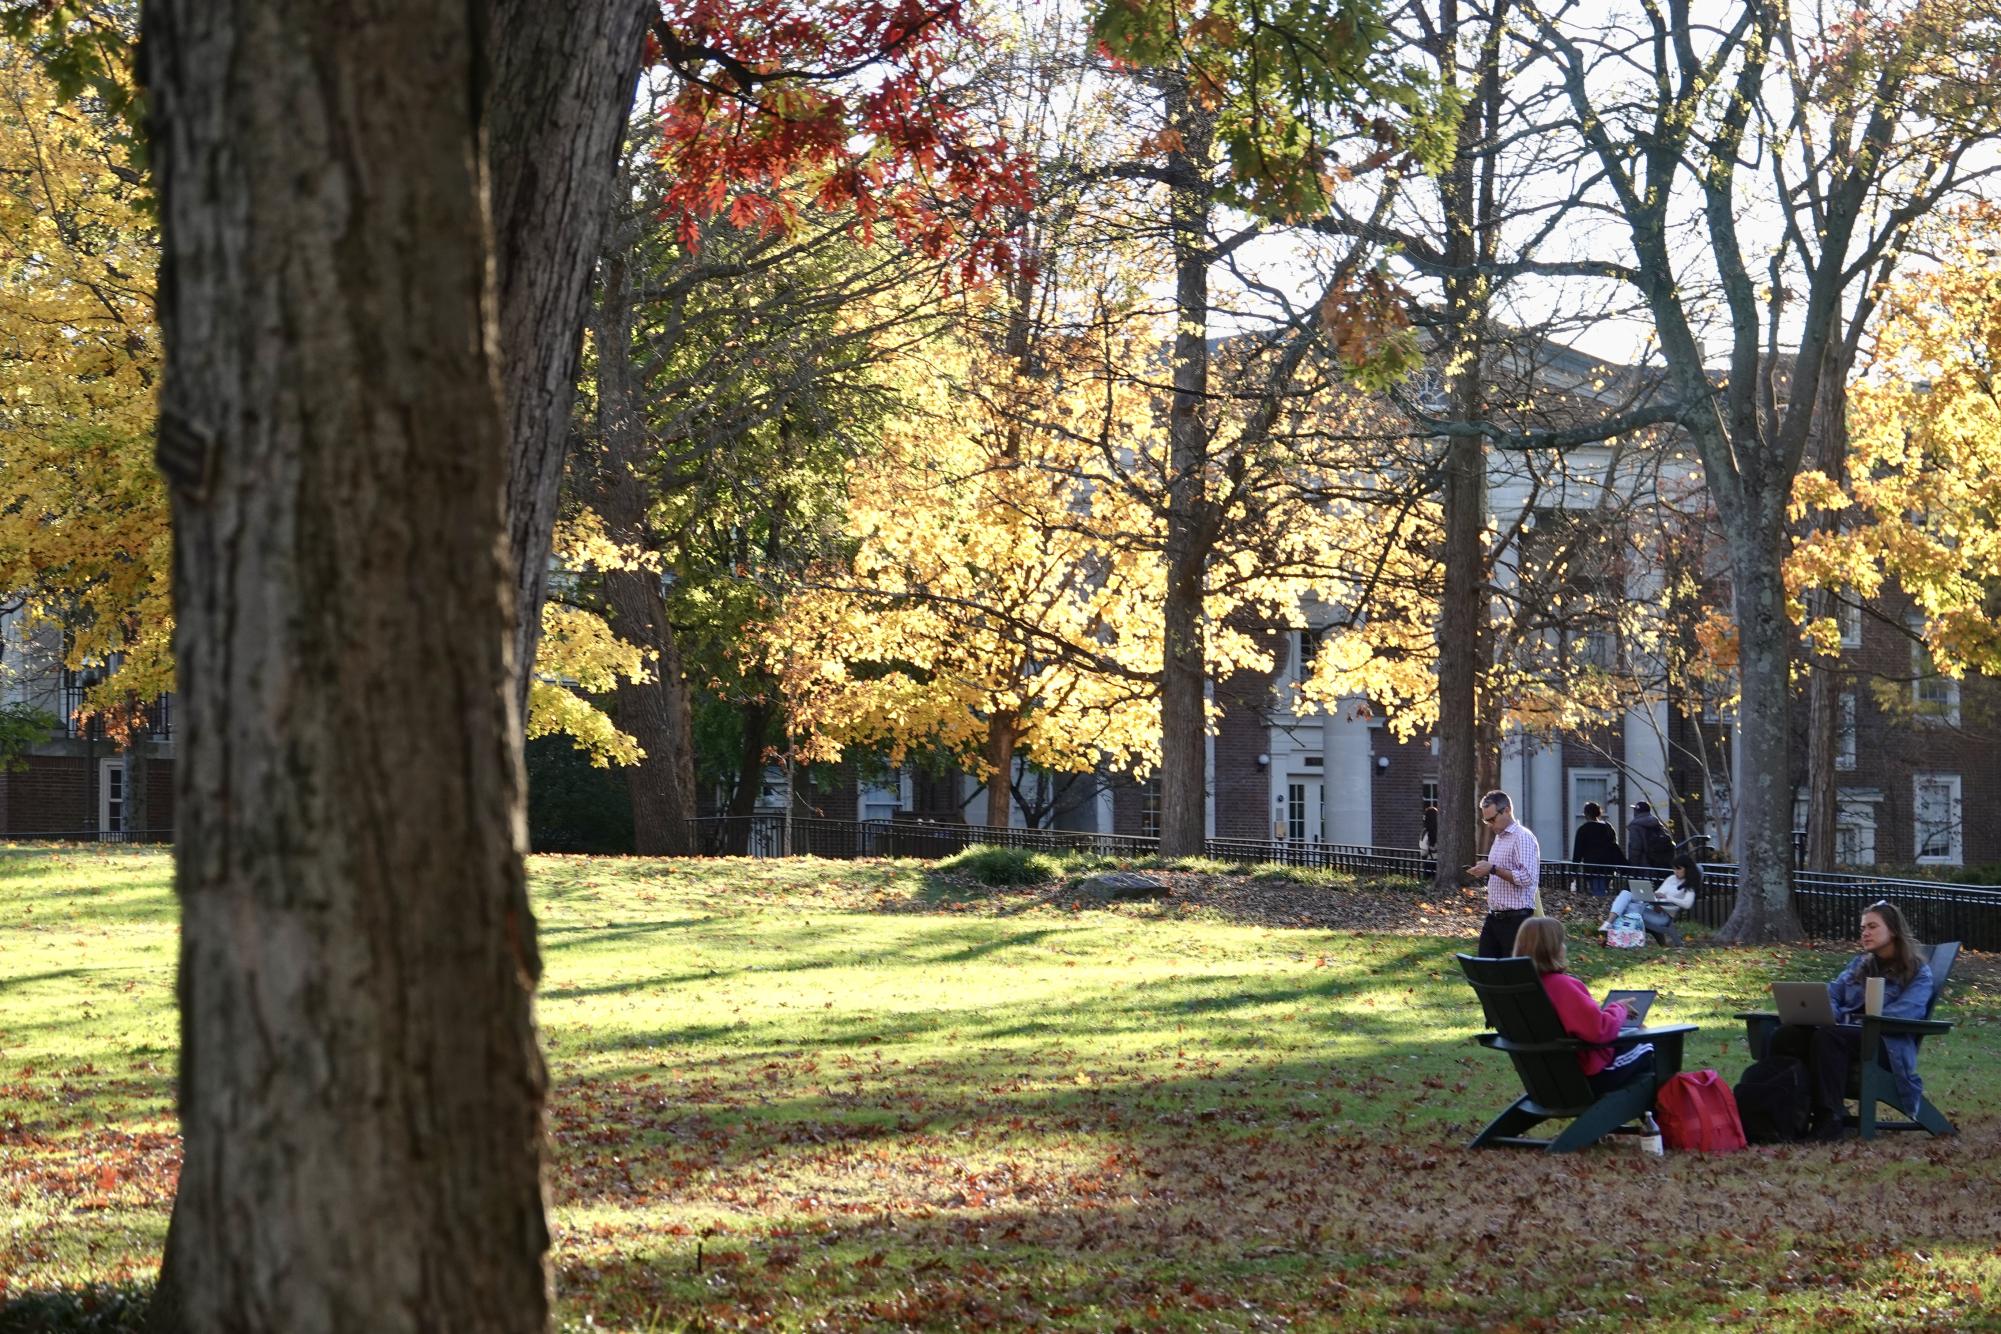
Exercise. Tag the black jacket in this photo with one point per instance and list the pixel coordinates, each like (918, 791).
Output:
(1649, 842)
(1596, 845)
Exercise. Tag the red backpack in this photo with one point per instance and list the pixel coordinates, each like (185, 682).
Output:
(1697, 1112)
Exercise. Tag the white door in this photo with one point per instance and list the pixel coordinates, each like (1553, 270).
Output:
(1302, 809)
(111, 801)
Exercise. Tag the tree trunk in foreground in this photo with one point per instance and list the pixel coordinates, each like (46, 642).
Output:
(562, 82)
(361, 1093)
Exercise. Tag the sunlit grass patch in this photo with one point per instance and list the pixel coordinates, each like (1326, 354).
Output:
(810, 1092)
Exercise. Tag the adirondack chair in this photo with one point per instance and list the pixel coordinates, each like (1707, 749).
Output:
(1545, 1057)
(1871, 1082)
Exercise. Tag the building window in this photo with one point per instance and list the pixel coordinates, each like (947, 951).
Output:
(1844, 732)
(1848, 615)
(1149, 809)
(1430, 789)
(111, 800)
(1932, 695)
(1595, 648)
(1307, 648)
(1935, 815)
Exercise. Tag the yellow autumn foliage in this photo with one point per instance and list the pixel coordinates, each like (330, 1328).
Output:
(1922, 485)
(84, 534)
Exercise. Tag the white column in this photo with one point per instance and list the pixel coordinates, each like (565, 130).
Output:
(1546, 797)
(1208, 764)
(1350, 794)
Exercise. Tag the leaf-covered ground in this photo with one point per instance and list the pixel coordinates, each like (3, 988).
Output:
(857, 1095)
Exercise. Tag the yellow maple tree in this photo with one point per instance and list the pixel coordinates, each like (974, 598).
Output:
(1920, 496)
(84, 535)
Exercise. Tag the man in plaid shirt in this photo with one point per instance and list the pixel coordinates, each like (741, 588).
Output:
(1512, 868)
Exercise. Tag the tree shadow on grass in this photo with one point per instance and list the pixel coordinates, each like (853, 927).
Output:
(99, 1308)
(1204, 1224)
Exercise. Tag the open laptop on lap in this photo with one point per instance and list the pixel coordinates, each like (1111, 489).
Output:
(1637, 1004)
(1803, 1003)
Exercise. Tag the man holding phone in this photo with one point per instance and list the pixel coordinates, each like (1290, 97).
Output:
(1512, 869)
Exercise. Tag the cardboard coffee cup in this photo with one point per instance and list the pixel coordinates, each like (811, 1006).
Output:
(1872, 996)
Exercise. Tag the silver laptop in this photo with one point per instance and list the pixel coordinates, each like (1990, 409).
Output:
(1637, 1004)
(1802, 1003)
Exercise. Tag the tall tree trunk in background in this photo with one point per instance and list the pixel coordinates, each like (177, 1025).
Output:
(1002, 726)
(1468, 752)
(138, 806)
(1184, 719)
(755, 718)
(658, 713)
(1764, 729)
(1823, 705)
(1824, 671)
(361, 1091)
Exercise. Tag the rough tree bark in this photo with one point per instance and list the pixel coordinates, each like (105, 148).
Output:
(1464, 637)
(1824, 671)
(1184, 720)
(562, 79)
(361, 1092)
(310, 469)
(1002, 727)
(658, 714)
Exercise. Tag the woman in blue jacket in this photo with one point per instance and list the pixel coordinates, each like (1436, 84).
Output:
(1889, 951)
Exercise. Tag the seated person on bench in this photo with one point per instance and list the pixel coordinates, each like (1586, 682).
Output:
(1673, 896)
(1889, 951)
(1605, 1066)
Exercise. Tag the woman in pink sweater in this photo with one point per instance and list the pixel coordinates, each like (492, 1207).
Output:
(1607, 1063)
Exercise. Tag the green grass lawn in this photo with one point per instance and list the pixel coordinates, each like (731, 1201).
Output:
(823, 1094)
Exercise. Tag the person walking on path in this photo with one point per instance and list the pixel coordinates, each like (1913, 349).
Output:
(1597, 844)
(1648, 843)
(1512, 869)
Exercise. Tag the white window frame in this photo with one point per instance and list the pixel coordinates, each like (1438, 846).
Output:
(1857, 820)
(1577, 798)
(1926, 677)
(111, 810)
(1848, 615)
(1302, 654)
(1955, 854)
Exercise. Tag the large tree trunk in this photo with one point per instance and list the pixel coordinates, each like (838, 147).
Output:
(755, 718)
(1763, 744)
(658, 713)
(1822, 707)
(1464, 640)
(361, 1093)
(1824, 671)
(138, 786)
(562, 78)
(1184, 718)
(1001, 735)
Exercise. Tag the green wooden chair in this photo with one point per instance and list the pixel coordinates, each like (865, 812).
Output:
(1545, 1056)
(1871, 1082)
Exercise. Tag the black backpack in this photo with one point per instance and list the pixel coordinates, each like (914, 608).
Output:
(1773, 1100)
(1660, 847)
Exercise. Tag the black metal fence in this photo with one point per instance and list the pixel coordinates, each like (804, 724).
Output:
(1829, 905)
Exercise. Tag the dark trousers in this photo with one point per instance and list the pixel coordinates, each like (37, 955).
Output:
(1497, 933)
(1609, 1079)
(1830, 1052)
